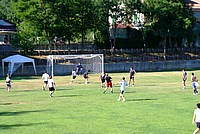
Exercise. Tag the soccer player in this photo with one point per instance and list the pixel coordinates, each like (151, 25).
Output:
(45, 78)
(132, 76)
(123, 84)
(86, 76)
(108, 84)
(79, 69)
(8, 82)
(73, 76)
(51, 85)
(102, 78)
(184, 78)
(194, 83)
(196, 118)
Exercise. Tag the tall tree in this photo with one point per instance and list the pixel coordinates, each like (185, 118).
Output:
(84, 16)
(67, 20)
(168, 18)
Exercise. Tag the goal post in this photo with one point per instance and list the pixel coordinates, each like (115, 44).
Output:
(63, 64)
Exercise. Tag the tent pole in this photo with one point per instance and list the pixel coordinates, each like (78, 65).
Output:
(3, 68)
(34, 67)
(11, 70)
(22, 69)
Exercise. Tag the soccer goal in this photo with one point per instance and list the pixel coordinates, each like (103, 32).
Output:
(63, 64)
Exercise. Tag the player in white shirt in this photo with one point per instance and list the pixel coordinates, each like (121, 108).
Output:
(8, 82)
(51, 85)
(196, 118)
(45, 78)
(123, 84)
(73, 76)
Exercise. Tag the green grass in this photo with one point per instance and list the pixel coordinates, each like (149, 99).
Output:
(157, 104)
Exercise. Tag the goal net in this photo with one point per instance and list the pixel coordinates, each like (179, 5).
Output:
(63, 64)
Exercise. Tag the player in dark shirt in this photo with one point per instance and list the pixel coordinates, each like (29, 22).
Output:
(108, 83)
(184, 78)
(79, 69)
(103, 80)
(86, 76)
(132, 75)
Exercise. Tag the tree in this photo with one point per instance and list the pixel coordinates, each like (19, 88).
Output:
(26, 37)
(41, 15)
(174, 20)
(67, 20)
(84, 16)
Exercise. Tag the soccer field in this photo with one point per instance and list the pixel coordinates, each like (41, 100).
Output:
(157, 104)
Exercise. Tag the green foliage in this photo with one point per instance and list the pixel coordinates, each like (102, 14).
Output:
(26, 37)
(168, 18)
(74, 19)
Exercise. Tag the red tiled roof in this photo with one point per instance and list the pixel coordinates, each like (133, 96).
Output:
(195, 4)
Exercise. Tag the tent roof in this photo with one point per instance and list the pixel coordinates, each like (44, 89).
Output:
(18, 59)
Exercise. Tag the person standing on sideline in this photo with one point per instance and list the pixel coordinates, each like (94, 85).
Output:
(132, 75)
(79, 69)
(123, 84)
(45, 78)
(86, 76)
(196, 118)
(108, 84)
(73, 76)
(102, 78)
(51, 85)
(194, 83)
(8, 82)
(184, 78)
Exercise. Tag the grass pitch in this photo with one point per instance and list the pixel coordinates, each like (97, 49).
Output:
(157, 104)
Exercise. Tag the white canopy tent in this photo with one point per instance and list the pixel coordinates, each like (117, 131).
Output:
(15, 61)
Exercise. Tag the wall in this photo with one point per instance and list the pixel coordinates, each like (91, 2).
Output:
(118, 67)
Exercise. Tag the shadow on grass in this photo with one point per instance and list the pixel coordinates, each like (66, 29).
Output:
(128, 92)
(147, 85)
(64, 89)
(26, 90)
(69, 95)
(7, 103)
(141, 99)
(25, 77)
(19, 112)
(5, 126)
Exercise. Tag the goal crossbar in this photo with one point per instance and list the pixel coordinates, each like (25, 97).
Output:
(54, 59)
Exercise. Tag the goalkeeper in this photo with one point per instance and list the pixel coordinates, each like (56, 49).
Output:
(79, 69)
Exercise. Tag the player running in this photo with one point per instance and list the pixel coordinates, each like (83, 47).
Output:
(86, 76)
(194, 83)
(123, 84)
(73, 76)
(45, 78)
(51, 85)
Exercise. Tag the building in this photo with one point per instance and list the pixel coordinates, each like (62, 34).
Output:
(7, 29)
